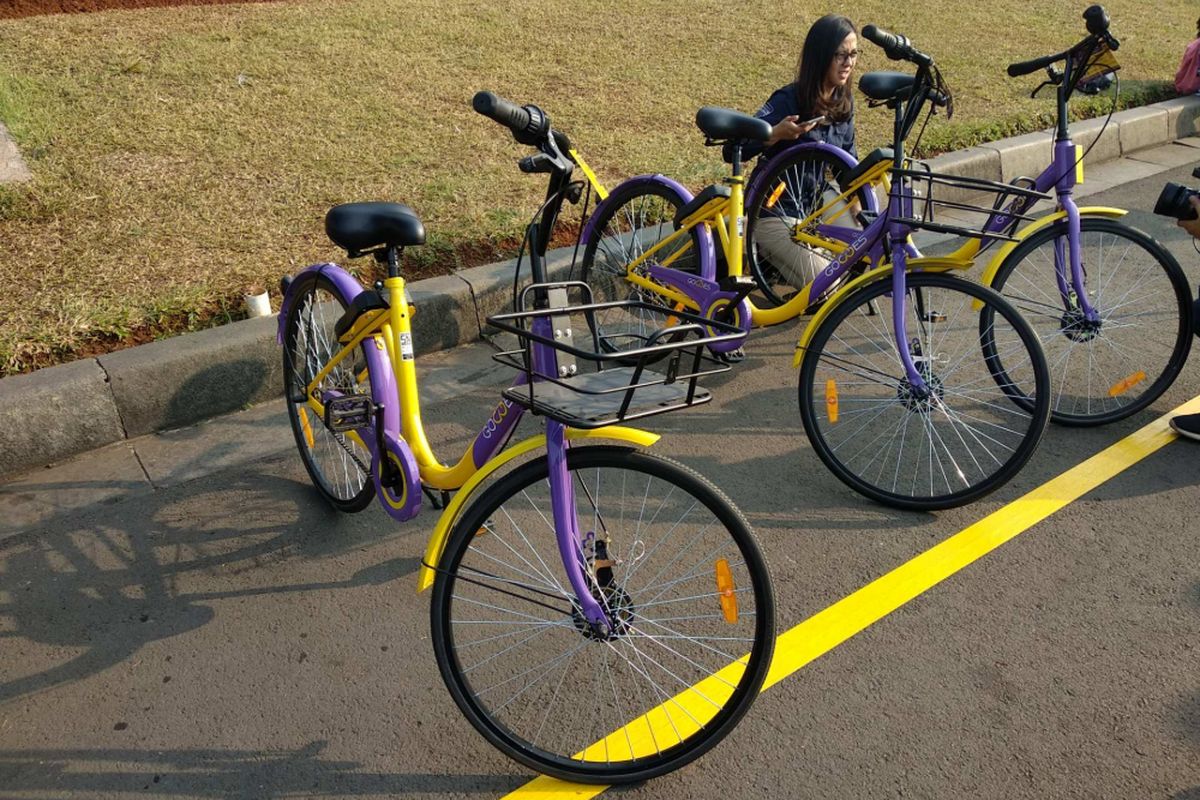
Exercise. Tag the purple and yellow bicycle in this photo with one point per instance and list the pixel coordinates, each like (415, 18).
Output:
(917, 388)
(1110, 304)
(599, 614)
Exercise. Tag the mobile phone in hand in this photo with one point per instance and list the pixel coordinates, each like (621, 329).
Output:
(815, 121)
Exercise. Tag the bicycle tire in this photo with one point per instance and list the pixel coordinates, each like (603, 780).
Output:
(637, 215)
(339, 467)
(782, 189)
(1006, 432)
(1155, 345)
(619, 479)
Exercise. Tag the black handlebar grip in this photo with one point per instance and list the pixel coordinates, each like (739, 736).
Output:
(896, 46)
(501, 110)
(1033, 65)
(884, 39)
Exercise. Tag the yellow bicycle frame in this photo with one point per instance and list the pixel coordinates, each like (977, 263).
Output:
(390, 330)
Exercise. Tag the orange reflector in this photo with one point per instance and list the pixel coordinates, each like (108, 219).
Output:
(1125, 384)
(725, 590)
(774, 198)
(306, 427)
(831, 401)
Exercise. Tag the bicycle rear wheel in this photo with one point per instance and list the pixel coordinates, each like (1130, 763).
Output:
(804, 182)
(675, 564)
(947, 448)
(638, 216)
(339, 465)
(1106, 370)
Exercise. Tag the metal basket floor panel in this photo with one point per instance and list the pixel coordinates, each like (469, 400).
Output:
(581, 405)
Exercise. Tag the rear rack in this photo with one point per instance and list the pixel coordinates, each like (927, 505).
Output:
(597, 384)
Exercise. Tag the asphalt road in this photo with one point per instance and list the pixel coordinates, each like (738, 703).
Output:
(167, 630)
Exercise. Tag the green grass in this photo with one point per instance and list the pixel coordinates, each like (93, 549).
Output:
(182, 154)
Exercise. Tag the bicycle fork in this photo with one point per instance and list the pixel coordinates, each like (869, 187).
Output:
(568, 534)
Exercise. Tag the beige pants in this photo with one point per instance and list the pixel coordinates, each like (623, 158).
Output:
(797, 263)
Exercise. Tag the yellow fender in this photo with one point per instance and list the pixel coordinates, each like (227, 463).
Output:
(926, 264)
(998, 258)
(441, 531)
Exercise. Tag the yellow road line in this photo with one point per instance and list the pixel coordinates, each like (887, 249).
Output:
(827, 629)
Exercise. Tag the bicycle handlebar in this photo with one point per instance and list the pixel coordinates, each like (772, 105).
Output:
(896, 46)
(1034, 64)
(529, 125)
(1097, 26)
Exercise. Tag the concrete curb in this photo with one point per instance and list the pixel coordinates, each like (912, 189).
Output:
(60, 411)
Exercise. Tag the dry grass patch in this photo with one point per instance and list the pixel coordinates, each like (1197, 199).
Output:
(180, 154)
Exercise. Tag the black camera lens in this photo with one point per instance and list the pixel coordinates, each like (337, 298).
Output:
(1173, 202)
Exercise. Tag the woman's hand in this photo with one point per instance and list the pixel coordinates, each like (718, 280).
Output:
(789, 128)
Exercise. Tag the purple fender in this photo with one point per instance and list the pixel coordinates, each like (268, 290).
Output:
(345, 283)
(757, 186)
(708, 253)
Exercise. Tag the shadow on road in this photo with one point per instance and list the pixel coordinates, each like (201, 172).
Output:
(118, 581)
(220, 773)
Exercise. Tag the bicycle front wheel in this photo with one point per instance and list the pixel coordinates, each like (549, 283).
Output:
(963, 437)
(677, 568)
(637, 217)
(339, 465)
(1108, 369)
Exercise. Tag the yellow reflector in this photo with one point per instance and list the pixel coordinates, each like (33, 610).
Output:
(1079, 163)
(831, 401)
(725, 591)
(774, 198)
(1125, 384)
(306, 427)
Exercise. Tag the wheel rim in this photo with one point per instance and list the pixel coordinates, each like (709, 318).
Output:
(1104, 369)
(633, 228)
(339, 464)
(533, 672)
(935, 449)
(796, 190)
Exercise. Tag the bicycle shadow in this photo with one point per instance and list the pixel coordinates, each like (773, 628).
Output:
(222, 773)
(118, 582)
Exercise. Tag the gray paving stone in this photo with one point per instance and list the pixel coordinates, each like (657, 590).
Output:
(974, 162)
(491, 285)
(54, 413)
(1114, 173)
(1098, 150)
(1183, 116)
(12, 166)
(1141, 128)
(445, 313)
(45, 496)
(1175, 154)
(177, 456)
(1025, 155)
(174, 382)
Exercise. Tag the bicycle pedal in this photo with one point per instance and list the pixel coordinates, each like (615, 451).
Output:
(934, 316)
(348, 412)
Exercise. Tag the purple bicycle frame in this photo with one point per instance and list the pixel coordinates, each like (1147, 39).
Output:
(1060, 176)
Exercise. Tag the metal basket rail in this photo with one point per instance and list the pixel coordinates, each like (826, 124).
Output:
(1010, 203)
(592, 386)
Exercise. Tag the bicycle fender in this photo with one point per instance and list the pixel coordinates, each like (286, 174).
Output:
(346, 284)
(998, 258)
(924, 264)
(441, 531)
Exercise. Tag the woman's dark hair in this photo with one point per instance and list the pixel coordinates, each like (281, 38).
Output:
(1198, 28)
(822, 41)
